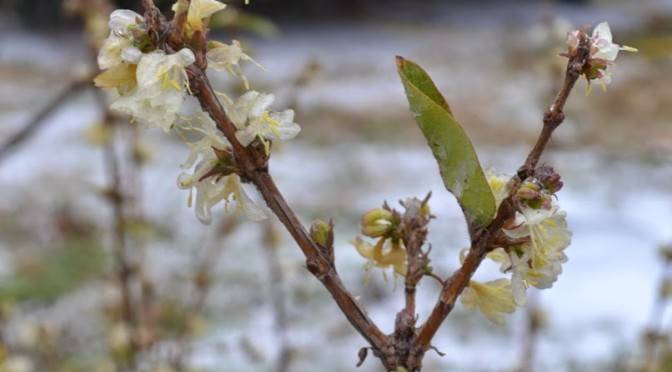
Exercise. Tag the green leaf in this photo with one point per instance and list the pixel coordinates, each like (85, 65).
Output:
(460, 169)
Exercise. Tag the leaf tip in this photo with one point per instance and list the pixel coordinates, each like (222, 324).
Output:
(400, 61)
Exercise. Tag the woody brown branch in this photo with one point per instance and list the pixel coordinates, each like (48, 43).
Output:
(253, 166)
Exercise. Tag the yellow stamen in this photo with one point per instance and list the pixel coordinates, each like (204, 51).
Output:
(166, 81)
(273, 123)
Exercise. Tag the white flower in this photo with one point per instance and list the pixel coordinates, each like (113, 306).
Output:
(547, 230)
(519, 267)
(493, 299)
(123, 21)
(536, 263)
(116, 50)
(224, 57)
(602, 45)
(161, 91)
(212, 189)
(119, 46)
(603, 52)
(251, 116)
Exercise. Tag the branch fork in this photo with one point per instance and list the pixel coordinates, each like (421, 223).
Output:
(406, 346)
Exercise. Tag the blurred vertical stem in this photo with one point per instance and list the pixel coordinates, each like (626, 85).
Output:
(276, 280)
(533, 324)
(202, 274)
(117, 197)
(655, 330)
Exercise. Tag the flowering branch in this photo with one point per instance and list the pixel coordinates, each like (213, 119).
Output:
(252, 165)
(554, 116)
(483, 242)
(155, 66)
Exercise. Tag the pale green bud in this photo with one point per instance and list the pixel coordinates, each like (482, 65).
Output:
(377, 222)
(322, 233)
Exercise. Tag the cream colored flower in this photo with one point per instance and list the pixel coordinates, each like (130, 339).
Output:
(603, 52)
(492, 298)
(119, 46)
(200, 10)
(547, 230)
(519, 267)
(224, 57)
(538, 262)
(384, 254)
(251, 116)
(162, 88)
(122, 78)
(124, 21)
(213, 189)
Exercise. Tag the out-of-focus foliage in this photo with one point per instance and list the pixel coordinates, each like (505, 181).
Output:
(244, 21)
(61, 269)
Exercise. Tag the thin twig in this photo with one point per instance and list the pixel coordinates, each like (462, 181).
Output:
(202, 285)
(656, 330)
(116, 197)
(277, 294)
(38, 121)
(533, 325)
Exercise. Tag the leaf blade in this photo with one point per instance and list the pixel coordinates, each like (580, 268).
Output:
(459, 166)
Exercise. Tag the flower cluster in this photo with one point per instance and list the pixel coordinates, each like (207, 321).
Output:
(536, 240)
(152, 87)
(602, 54)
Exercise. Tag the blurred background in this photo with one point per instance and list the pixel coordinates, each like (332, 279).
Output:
(104, 267)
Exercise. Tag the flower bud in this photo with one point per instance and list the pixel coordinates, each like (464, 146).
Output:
(377, 222)
(548, 178)
(528, 191)
(322, 233)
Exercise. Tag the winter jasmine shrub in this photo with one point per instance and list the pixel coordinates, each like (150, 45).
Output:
(157, 71)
